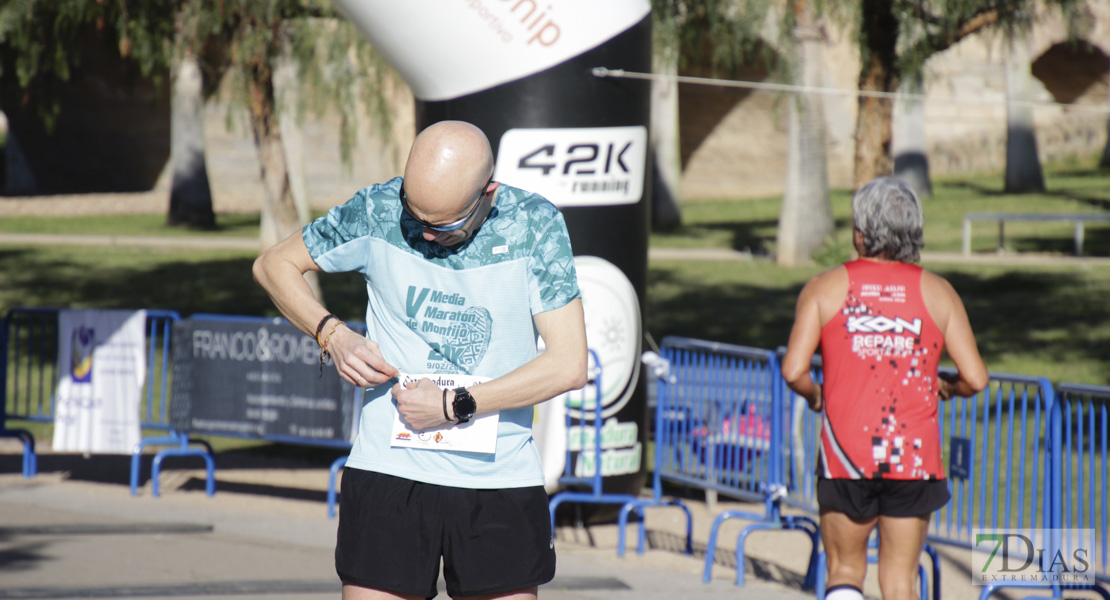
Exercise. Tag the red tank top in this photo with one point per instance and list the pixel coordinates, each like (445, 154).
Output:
(880, 355)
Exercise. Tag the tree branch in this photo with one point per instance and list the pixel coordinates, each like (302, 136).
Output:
(938, 42)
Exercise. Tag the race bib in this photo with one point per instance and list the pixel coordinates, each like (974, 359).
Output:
(479, 435)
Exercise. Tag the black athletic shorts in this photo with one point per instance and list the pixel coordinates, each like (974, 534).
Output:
(393, 533)
(866, 498)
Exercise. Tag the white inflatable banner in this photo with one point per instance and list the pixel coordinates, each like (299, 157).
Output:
(101, 370)
(449, 48)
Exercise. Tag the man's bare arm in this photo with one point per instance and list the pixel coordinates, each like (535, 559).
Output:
(280, 271)
(804, 339)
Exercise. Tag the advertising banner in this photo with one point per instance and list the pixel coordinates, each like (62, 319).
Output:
(255, 378)
(444, 50)
(102, 367)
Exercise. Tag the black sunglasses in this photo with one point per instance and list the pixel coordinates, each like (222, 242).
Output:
(450, 226)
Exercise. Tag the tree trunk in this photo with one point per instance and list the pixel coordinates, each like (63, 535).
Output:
(806, 220)
(279, 215)
(190, 192)
(1105, 162)
(19, 179)
(287, 90)
(1023, 166)
(911, 163)
(667, 164)
(879, 33)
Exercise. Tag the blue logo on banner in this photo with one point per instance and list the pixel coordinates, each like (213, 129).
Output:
(959, 459)
(81, 354)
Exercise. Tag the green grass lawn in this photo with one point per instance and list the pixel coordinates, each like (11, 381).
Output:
(1052, 321)
(1036, 320)
(146, 225)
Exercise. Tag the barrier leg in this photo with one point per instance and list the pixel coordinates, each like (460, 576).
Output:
(586, 498)
(553, 506)
(30, 459)
(332, 476)
(689, 526)
(813, 530)
(922, 582)
(933, 556)
(741, 540)
(137, 453)
(711, 546)
(622, 524)
(822, 575)
(639, 506)
(209, 463)
(710, 550)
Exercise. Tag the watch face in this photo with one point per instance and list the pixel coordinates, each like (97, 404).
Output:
(464, 405)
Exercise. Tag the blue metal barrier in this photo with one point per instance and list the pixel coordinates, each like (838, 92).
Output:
(719, 427)
(1067, 473)
(182, 440)
(662, 441)
(591, 478)
(998, 454)
(802, 444)
(1085, 477)
(29, 353)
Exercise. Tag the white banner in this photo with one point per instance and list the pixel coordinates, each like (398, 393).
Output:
(445, 49)
(101, 370)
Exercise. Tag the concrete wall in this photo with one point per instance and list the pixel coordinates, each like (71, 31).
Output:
(233, 167)
(744, 154)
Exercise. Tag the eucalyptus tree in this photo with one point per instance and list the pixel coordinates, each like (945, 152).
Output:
(788, 36)
(897, 37)
(332, 66)
(243, 40)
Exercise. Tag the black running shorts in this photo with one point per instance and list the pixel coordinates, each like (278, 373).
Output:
(866, 498)
(393, 533)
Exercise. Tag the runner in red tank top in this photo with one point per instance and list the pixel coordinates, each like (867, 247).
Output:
(880, 355)
(882, 324)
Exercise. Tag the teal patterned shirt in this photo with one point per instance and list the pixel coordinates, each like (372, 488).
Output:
(450, 310)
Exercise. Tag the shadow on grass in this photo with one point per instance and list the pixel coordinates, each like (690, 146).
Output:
(731, 312)
(1013, 312)
(1051, 312)
(221, 285)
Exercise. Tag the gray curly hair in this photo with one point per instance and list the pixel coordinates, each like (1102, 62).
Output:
(888, 214)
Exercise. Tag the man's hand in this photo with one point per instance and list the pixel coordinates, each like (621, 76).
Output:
(421, 404)
(357, 359)
(817, 402)
(946, 388)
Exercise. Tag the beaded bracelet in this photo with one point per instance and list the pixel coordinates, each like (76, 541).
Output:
(320, 326)
(324, 354)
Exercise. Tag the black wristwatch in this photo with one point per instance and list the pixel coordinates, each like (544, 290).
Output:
(463, 405)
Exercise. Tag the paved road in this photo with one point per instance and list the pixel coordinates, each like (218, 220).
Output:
(265, 534)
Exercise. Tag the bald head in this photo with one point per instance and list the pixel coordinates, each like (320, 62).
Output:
(447, 165)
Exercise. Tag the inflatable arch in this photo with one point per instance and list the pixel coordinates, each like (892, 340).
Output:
(521, 70)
